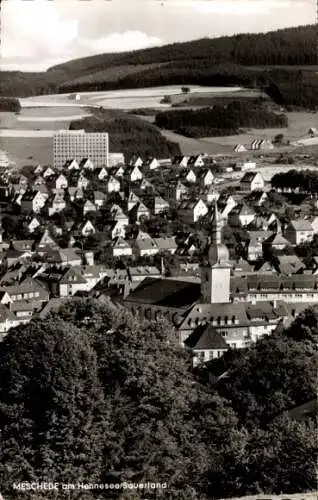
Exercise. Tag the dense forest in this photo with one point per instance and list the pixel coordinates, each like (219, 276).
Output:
(93, 394)
(220, 120)
(304, 180)
(129, 135)
(10, 104)
(244, 59)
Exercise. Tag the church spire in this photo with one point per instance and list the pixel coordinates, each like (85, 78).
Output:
(216, 226)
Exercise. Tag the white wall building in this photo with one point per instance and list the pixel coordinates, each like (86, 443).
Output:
(77, 144)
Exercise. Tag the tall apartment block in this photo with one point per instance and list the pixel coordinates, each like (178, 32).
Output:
(77, 144)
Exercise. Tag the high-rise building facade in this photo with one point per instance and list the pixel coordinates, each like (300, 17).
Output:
(77, 144)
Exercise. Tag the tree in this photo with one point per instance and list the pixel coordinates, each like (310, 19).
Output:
(157, 412)
(277, 372)
(52, 412)
(278, 139)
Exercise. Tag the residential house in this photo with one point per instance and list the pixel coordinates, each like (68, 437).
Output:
(206, 343)
(70, 257)
(180, 161)
(206, 177)
(121, 248)
(71, 165)
(166, 244)
(241, 215)
(299, 231)
(275, 242)
(289, 265)
(225, 204)
(145, 247)
(82, 182)
(188, 175)
(257, 198)
(8, 320)
(33, 201)
(86, 163)
(195, 161)
(179, 191)
(101, 173)
(255, 244)
(71, 282)
(132, 200)
(113, 185)
(160, 205)
(211, 195)
(48, 172)
(99, 199)
(87, 229)
(75, 193)
(139, 211)
(152, 163)
(193, 210)
(61, 182)
(58, 204)
(89, 207)
(33, 225)
(133, 174)
(115, 229)
(38, 170)
(262, 144)
(252, 181)
(46, 241)
(239, 148)
(26, 290)
(39, 181)
(136, 161)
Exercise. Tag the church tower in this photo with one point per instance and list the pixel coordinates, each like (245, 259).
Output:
(216, 276)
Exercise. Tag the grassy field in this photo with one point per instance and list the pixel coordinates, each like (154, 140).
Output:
(28, 150)
(298, 125)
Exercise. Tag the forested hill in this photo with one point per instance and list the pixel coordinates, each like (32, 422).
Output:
(220, 61)
(288, 47)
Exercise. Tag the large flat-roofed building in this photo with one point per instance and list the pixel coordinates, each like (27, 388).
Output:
(77, 144)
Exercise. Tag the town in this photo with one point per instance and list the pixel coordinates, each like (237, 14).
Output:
(227, 256)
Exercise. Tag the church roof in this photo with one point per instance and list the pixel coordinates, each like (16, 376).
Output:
(166, 292)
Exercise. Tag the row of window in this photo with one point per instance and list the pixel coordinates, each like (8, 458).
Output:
(29, 295)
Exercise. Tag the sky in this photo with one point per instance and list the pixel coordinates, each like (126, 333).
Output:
(37, 34)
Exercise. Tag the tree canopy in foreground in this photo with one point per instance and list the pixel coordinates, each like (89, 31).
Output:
(95, 395)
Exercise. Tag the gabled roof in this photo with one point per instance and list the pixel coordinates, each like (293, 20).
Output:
(72, 275)
(249, 176)
(206, 337)
(166, 243)
(121, 243)
(301, 225)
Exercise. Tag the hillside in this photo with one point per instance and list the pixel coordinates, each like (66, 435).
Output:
(220, 61)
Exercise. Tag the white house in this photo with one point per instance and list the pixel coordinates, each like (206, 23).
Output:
(113, 185)
(71, 165)
(121, 248)
(102, 174)
(61, 182)
(88, 229)
(239, 148)
(33, 225)
(89, 207)
(252, 181)
(86, 163)
(48, 172)
(193, 210)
